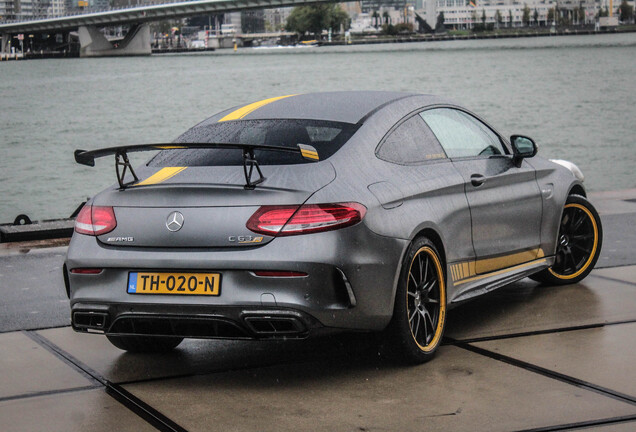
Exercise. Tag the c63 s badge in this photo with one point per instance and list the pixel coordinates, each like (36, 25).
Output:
(244, 239)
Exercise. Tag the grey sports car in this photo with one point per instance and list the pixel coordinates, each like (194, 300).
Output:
(370, 211)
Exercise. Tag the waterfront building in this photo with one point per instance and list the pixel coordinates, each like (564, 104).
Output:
(23, 9)
(461, 14)
(8, 9)
(275, 19)
(56, 8)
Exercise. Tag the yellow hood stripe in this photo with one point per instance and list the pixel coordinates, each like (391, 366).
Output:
(247, 109)
(161, 176)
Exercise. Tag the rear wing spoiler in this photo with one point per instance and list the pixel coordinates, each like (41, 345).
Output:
(122, 163)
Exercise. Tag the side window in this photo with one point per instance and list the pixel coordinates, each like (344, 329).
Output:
(411, 142)
(461, 134)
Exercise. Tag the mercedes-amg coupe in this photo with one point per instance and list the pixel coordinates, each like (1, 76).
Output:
(367, 211)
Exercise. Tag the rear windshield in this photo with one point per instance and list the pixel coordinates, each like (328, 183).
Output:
(327, 137)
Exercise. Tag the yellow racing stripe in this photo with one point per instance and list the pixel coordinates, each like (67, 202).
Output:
(247, 109)
(309, 154)
(161, 176)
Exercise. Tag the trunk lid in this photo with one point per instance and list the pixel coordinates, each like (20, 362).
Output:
(205, 206)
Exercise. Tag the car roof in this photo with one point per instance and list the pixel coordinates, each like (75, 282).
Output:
(343, 106)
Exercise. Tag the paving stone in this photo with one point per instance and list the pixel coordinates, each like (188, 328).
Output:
(602, 356)
(527, 306)
(26, 368)
(457, 391)
(625, 273)
(617, 427)
(199, 356)
(88, 410)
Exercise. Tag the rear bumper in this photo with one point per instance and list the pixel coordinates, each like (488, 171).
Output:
(350, 283)
(192, 321)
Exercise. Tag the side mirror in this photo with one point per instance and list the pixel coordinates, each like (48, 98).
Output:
(522, 147)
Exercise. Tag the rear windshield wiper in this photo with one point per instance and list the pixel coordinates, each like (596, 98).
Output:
(250, 164)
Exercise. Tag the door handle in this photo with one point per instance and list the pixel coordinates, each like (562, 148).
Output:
(477, 180)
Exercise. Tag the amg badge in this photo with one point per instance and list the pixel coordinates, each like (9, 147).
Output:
(120, 239)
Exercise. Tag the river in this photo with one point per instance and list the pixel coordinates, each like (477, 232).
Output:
(575, 95)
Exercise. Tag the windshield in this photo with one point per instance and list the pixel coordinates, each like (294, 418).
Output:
(327, 137)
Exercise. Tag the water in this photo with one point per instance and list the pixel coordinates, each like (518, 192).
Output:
(574, 95)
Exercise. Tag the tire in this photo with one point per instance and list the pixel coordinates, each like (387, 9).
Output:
(145, 344)
(578, 244)
(419, 315)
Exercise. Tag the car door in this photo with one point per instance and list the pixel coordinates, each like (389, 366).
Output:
(431, 190)
(504, 199)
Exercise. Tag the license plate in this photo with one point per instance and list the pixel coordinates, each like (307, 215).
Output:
(174, 283)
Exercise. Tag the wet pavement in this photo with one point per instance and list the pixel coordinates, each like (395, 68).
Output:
(526, 357)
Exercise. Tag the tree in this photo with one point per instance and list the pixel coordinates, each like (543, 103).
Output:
(510, 17)
(387, 17)
(376, 19)
(483, 18)
(581, 15)
(550, 16)
(316, 18)
(498, 18)
(526, 15)
(439, 25)
(625, 11)
(535, 17)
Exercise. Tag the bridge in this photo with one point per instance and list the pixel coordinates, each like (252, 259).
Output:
(137, 41)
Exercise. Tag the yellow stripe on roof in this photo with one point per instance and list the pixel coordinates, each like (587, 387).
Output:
(161, 176)
(247, 109)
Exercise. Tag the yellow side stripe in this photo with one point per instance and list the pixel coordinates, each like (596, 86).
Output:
(491, 264)
(247, 109)
(161, 176)
(464, 271)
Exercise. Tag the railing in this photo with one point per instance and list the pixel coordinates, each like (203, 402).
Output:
(89, 11)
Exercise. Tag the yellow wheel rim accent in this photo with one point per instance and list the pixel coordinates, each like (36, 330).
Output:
(592, 254)
(442, 299)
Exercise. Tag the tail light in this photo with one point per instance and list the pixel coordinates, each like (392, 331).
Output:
(309, 218)
(95, 220)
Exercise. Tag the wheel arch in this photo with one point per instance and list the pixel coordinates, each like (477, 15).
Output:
(434, 236)
(577, 189)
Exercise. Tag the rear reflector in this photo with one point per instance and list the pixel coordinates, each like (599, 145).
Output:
(95, 220)
(86, 271)
(309, 218)
(268, 273)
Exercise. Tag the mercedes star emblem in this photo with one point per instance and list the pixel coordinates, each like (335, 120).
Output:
(174, 221)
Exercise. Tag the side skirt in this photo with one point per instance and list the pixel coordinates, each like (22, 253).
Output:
(468, 288)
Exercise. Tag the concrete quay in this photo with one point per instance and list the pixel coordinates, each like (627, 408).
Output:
(524, 358)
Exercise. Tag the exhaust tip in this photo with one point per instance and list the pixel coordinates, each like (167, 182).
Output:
(275, 326)
(87, 321)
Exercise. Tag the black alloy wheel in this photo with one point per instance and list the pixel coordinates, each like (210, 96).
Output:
(578, 243)
(419, 316)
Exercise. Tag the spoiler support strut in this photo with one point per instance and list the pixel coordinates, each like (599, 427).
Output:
(121, 160)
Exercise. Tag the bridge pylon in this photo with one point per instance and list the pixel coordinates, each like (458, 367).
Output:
(93, 43)
(4, 44)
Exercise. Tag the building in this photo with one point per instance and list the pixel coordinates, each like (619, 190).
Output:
(275, 19)
(461, 14)
(23, 9)
(56, 8)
